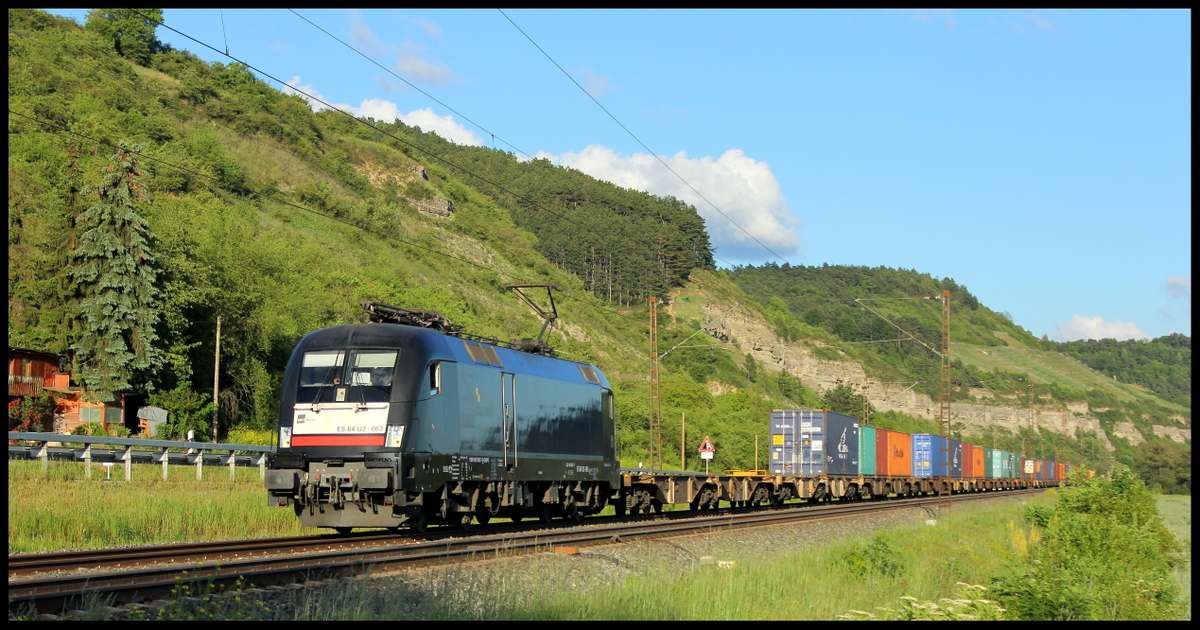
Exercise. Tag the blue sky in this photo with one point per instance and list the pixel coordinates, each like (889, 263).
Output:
(1042, 159)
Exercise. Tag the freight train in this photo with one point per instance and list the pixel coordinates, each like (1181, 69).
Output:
(408, 421)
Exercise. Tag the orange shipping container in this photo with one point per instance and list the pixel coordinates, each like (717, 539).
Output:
(978, 463)
(893, 453)
(1060, 471)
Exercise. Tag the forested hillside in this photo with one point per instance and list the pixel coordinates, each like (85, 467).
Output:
(888, 318)
(152, 193)
(1162, 365)
(624, 244)
(253, 208)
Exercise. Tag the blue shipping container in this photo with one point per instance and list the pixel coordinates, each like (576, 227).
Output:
(929, 460)
(926, 448)
(813, 442)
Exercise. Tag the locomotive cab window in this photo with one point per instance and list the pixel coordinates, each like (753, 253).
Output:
(327, 376)
(372, 372)
(322, 368)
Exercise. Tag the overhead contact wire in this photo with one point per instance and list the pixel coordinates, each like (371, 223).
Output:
(639, 141)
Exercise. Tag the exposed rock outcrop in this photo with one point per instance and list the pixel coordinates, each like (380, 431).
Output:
(757, 339)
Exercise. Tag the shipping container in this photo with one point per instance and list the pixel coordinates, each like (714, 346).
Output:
(957, 455)
(813, 442)
(1060, 471)
(935, 456)
(978, 462)
(926, 448)
(866, 450)
(893, 453)
(993, 463)
(972, 461)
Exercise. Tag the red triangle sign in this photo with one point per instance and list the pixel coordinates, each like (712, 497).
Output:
(707, 446)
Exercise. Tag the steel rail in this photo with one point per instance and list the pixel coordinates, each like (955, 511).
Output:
(51, 594)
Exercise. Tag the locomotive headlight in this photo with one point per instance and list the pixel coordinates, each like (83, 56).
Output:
(285, 437)
(394, 436)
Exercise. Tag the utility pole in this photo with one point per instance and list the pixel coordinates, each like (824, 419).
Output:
(944, 414)
(216, 375)
(682, 440)
(656, 458)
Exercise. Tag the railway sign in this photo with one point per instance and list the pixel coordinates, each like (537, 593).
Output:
(707, 446)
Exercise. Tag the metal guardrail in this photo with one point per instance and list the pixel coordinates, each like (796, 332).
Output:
(153, 451)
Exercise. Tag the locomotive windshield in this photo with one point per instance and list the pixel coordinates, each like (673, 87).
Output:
(324, 376)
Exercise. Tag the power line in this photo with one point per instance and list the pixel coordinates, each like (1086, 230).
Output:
(439, 158)
(439, 102)
(639, 141)
(272, 196)
(256, 194)
(410, 84)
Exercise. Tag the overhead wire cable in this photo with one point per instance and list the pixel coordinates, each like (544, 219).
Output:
(425, 151)
(435, 156)
(410, 84)
(255, 194)
(639, 141)
(431, 97)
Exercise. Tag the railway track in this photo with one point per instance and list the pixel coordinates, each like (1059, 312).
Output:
(53, 582)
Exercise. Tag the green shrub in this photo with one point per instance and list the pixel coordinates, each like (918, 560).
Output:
(1104, 554)
(89, 428)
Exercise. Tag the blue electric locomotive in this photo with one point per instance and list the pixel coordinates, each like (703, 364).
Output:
(408, 421)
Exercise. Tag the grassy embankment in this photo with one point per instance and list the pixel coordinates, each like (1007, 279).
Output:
(67, 511)
(809, 582)
(1176, 511)
(971, 544)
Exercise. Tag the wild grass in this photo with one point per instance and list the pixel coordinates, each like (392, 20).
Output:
(1176, 511)
(67, 511)
(654, 581)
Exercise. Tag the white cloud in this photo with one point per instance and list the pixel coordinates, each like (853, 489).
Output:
(414, 64)
(595, 84)
(387, 111)
(945, 16)
(1180, 287)
(411, 59)
(431, 29)
(1084, 327)
(744, 189)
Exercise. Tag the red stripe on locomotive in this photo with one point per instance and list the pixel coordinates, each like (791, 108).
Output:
(337, 440)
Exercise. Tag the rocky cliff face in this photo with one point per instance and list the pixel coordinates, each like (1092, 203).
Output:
(757, 339)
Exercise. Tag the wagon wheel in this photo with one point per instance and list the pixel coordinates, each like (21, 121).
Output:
(546, 515)
(343, 530)
(421, 523)
(464, 521)
(657, 505)
(483, 517)
(573, 513)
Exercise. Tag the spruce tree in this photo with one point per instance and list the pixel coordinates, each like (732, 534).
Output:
(115, 279)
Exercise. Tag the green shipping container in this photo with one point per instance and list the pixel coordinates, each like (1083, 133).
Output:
(991, 463)
(1005, 464)
(866, 451)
